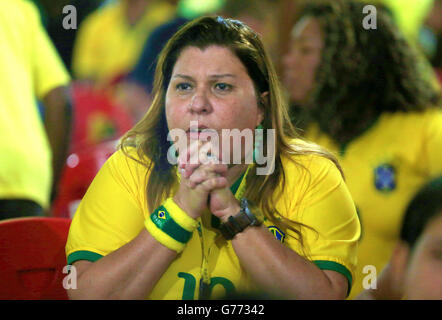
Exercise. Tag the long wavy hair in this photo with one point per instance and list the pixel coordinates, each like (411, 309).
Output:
(149, 135)
(364, 73)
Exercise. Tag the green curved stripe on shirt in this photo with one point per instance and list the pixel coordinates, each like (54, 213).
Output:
(83, 255)
(334, 266)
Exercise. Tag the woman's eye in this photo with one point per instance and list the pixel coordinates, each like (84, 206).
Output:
(223, 87)
(183, 86)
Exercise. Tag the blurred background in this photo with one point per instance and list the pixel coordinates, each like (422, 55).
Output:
(110, 59)
(75, 75)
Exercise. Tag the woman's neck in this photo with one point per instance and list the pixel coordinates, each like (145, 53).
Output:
(235, 172)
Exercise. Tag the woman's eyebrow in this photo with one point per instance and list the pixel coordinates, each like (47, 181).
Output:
(214, 76)
(183, 76)
(224, 75)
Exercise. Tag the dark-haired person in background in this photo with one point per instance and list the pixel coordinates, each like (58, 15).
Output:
(370, 100)
(415, 269)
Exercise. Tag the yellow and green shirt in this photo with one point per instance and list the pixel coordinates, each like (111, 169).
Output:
(113, 211)
(384, 167)
(30, 68)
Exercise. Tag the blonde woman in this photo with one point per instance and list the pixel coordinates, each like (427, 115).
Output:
(153, 228)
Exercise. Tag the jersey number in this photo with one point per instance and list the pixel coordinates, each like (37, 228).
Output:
(190, 285)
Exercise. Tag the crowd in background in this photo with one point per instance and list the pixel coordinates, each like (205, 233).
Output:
(96, 82)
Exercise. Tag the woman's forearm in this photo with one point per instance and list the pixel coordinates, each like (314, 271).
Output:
(130, 272)
(281, 272)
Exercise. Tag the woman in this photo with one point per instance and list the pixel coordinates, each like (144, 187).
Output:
(370, 101)
(200, 229)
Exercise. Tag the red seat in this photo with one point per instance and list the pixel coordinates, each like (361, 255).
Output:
(81, 167)
(97, 116)
(32, 258)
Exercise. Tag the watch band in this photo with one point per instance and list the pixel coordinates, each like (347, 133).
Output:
(239, 222)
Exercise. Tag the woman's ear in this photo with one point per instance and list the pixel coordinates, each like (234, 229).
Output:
(264, 99)
(263, 102)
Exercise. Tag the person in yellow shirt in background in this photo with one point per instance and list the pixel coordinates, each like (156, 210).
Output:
(368, 101)
(110, 40)
(414, 271)
(31, 70)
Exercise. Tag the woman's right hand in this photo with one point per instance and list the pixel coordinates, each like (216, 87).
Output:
(198, 178)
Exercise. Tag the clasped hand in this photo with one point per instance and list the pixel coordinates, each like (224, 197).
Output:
(204, 184)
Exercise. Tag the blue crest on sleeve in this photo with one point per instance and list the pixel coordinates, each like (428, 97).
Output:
(385, 177)
(279, 235)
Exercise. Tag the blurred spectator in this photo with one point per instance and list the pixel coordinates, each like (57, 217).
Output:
(63, 39)
(415, 271)
(110, 40)
(30, 70)
(371, 101)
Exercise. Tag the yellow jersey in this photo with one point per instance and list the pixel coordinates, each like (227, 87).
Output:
(30, 68)
(113, 211)
(384, 167)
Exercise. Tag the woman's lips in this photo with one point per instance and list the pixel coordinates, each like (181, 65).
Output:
(200, 133)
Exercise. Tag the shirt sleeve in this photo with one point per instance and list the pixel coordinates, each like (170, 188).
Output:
(324, 208)
(112, 211)
(48, 69)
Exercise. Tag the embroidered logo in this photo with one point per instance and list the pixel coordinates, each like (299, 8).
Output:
(279, 235)
(162, 214)
(385, 177)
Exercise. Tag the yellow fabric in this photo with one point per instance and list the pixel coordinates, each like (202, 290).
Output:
(107, 46)
(179, 215)
(163, 238)
(114, 208)
(411, 144)
(30, 68)
(410, 15)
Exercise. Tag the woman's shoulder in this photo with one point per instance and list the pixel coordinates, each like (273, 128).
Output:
(412, 119)
(308, 154)
(127, 160)
(309, 160)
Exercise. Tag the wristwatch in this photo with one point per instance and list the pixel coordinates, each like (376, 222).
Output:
(243, 219)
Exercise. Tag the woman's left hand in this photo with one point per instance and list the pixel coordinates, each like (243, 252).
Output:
(223, 204)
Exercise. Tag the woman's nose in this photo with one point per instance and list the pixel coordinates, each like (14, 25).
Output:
(200, 103)
(288, 60)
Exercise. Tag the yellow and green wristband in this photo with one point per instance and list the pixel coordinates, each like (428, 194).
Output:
(171, 226)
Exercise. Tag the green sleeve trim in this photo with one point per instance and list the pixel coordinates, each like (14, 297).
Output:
(334, 266)
(83, 255)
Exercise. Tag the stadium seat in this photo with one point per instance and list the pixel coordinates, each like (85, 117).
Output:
(32, 258)
(81, 167)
